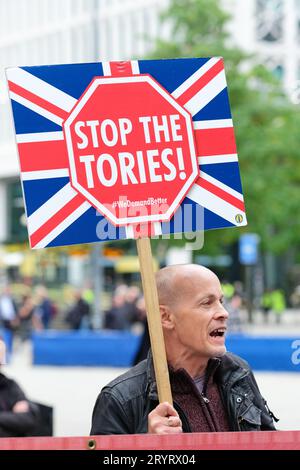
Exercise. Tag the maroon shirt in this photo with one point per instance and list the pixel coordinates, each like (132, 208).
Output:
(205, 412)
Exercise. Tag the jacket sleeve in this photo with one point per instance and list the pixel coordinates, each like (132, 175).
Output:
(267, 417)
(17, 424)
(109, 416)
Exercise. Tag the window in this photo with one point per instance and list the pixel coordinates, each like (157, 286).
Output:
(269, 20)
(297, 10)
(17, 231)
(275, 65)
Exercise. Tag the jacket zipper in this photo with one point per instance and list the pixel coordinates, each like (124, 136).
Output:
(205, 399)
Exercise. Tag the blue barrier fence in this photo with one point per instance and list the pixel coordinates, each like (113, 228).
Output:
(117, 349)
(7, 337)
(84, 348)
(267, 353)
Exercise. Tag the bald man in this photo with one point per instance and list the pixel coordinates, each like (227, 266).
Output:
(212, 390)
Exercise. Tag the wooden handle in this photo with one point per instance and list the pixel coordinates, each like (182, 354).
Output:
(154, 320)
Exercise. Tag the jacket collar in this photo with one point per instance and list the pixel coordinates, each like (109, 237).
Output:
(232, 368)
(220, 368)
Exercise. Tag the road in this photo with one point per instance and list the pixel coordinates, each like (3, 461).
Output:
(72, 392)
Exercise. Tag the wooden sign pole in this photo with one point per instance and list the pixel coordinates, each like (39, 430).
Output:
(154, 320)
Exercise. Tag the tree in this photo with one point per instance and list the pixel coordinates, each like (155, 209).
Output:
(266, 124)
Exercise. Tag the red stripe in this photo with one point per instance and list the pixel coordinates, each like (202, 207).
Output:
(121, 68)
(220, 193)
(145, 229)
(38, 156)
(37, 100)
(200, 83)
(217, 141)
(56, 219)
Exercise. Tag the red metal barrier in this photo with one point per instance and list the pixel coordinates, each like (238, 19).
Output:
(271, 440)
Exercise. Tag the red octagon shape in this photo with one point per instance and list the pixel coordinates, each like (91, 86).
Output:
(131, 149)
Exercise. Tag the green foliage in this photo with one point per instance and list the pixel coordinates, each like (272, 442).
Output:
(266, 125)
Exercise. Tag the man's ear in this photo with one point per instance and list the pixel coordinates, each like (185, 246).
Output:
(166, 317)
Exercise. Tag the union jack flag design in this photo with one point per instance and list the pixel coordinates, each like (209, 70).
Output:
(42, 97)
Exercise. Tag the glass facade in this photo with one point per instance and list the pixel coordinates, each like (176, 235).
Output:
(269, 20)
(17, 231)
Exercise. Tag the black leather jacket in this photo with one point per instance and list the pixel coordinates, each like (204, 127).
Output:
(123, 405)
(15, 424)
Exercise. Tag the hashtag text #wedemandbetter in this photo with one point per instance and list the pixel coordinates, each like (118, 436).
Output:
(147, 202)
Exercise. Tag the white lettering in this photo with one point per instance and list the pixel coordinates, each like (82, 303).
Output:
(93, 125)
(171, 167)
(125, 126)
(150, 166)
(161, 128)
(145, 120)
(106, 158)
(175, 127)
(84, 140)
(153, 165)
(127, 163)
(87, 160)
(141, 165)
(105, 125)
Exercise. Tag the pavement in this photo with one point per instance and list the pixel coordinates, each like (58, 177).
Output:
(72, 391)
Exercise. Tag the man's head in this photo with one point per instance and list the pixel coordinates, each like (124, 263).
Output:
(193, 316)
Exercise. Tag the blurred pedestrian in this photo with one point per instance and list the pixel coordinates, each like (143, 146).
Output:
(79, 312)
(234, 310)
(266, 304)
(44, 309)
(27, 321)
(144, 344)
(8, 310)
(116, 318)
(278, 304)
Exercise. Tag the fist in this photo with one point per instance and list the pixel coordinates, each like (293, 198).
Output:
(164, 419)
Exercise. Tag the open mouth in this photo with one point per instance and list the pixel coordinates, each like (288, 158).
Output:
(218, 332)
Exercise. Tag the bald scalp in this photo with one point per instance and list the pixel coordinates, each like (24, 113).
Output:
(170, 281)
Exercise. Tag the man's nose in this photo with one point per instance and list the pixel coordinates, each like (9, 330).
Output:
(222, 312)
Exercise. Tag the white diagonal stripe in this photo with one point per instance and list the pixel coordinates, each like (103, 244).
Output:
(135, 67)
(63, 225)
(41, 88)
(208, 159)
(36, 108)
(129, 231)
(193, 78)
(157, 228)
(106, 68)
(39, 137)
(220, 185)
(206, 94)
(44, 174)
(215, 204)
(213, 124)
(50, 208)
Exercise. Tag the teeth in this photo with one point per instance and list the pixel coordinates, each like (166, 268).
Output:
(217, 331)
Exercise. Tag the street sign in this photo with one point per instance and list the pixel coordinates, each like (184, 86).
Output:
(130, 143)
(248, 248)
(106, 147)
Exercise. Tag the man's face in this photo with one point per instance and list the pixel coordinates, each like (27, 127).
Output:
(198, 314)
